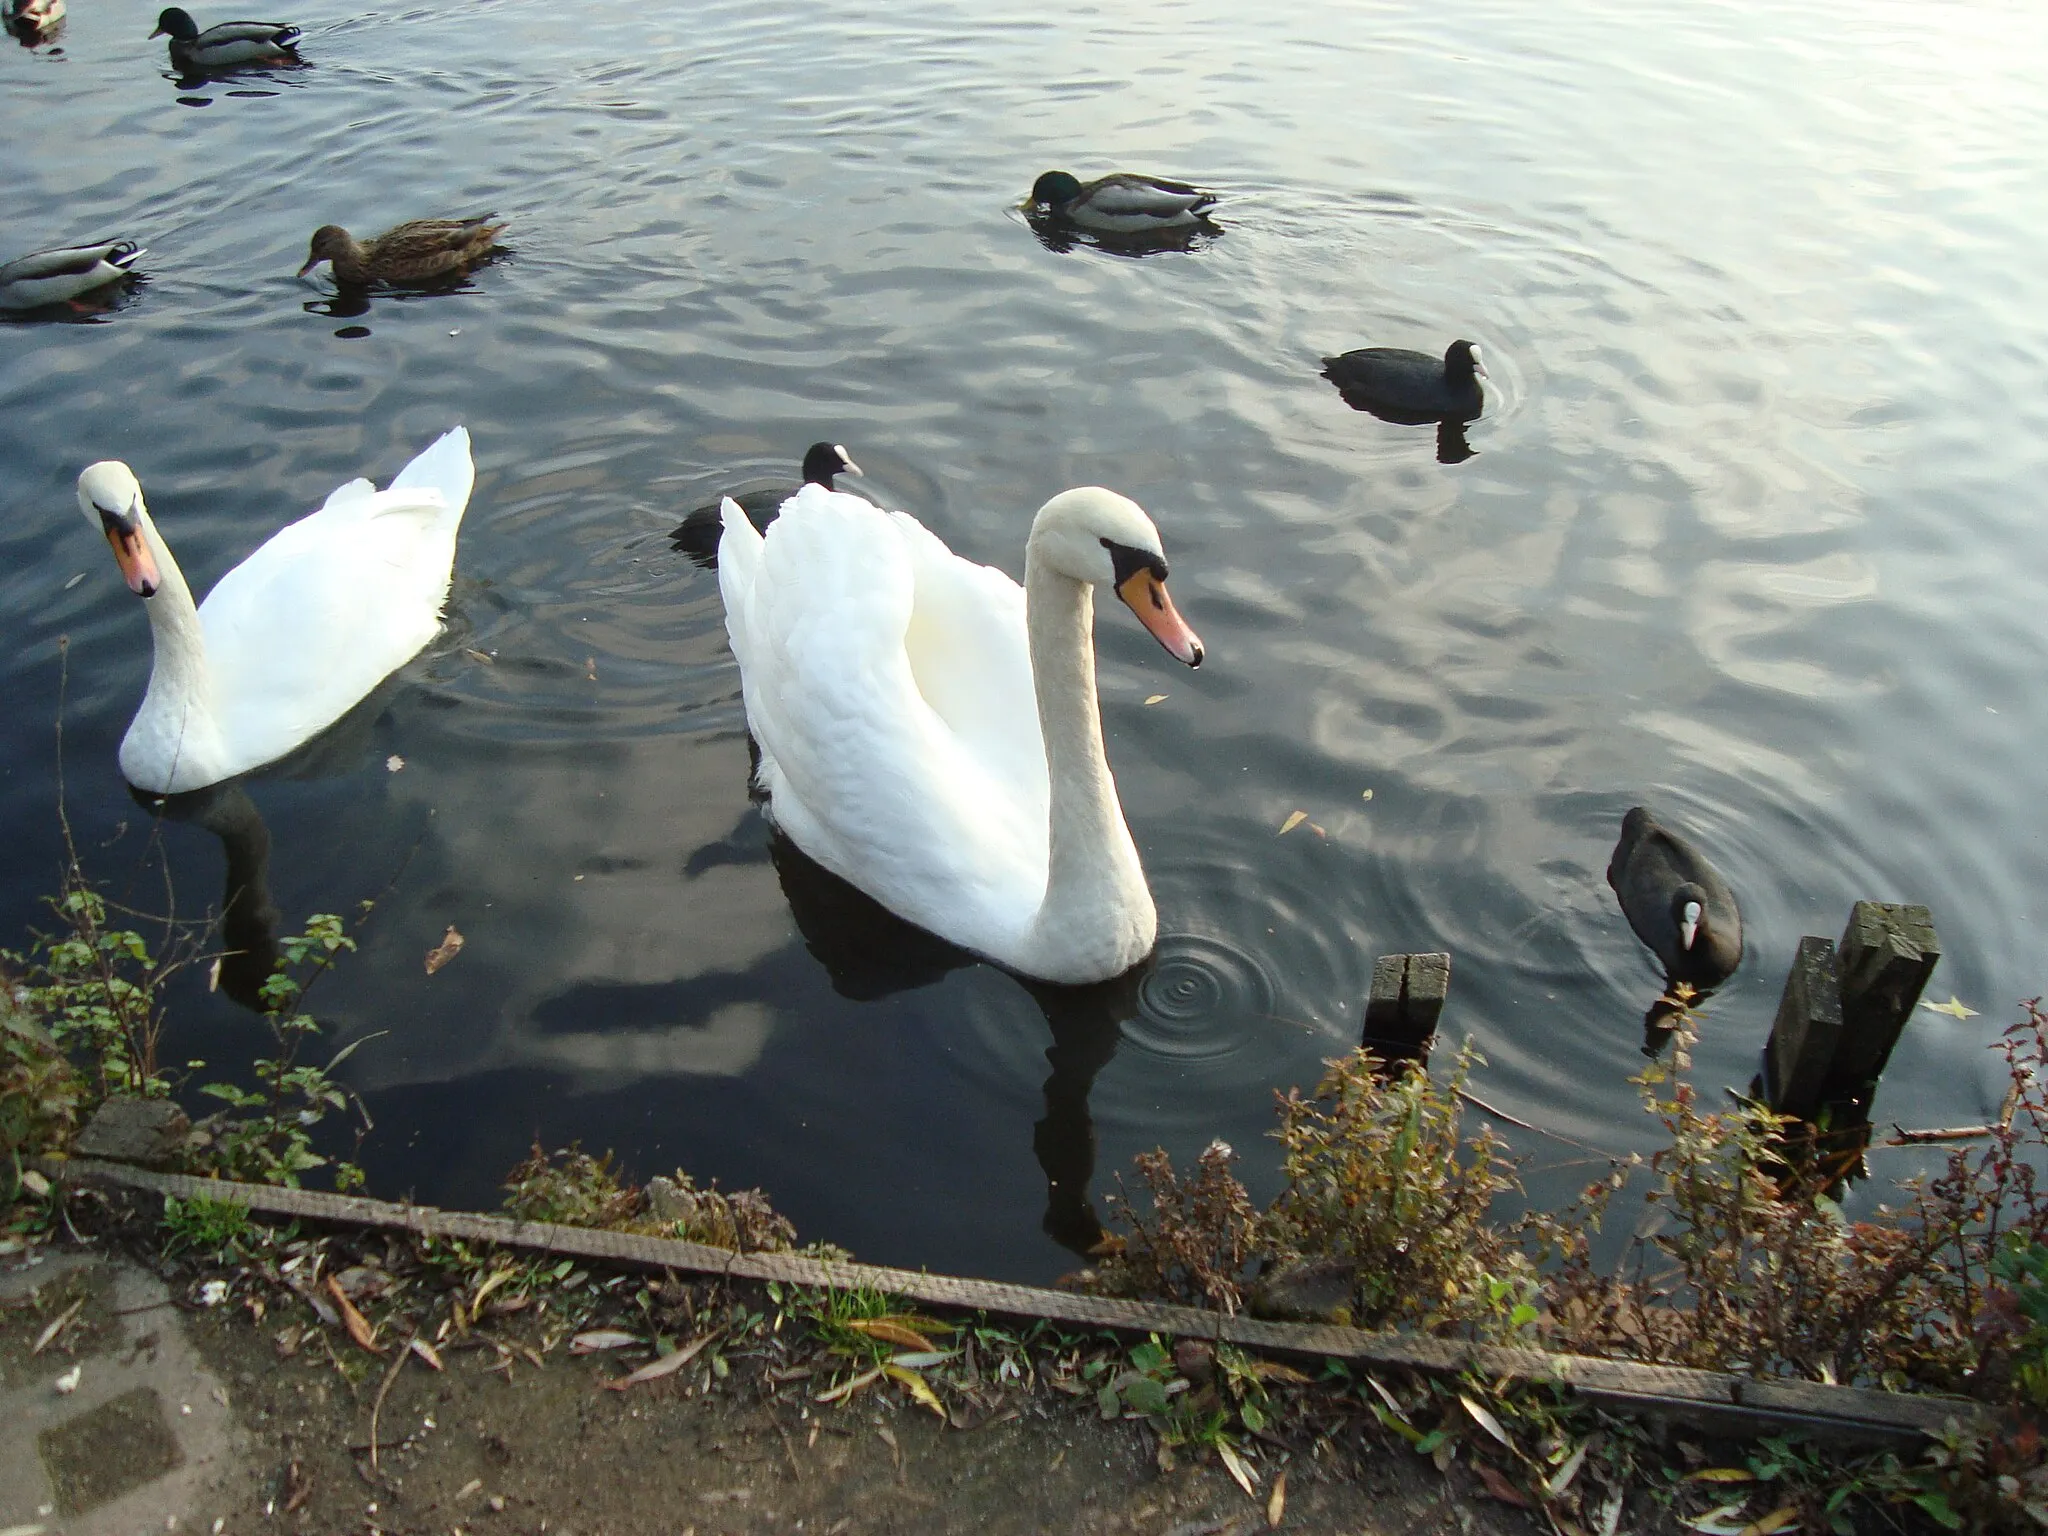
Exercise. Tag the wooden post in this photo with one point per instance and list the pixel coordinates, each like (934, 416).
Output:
(1806, 1033)
(1887, 953)
(1408, 993)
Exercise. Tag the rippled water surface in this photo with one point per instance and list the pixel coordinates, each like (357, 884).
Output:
(1751, 533)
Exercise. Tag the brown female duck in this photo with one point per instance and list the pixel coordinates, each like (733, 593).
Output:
(423, 248)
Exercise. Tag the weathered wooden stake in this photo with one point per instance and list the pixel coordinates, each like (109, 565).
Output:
(1843, 1009)
(1806, 1033)
(1408, 993)
(1887, 953)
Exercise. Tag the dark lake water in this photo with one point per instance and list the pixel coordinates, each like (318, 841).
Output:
(1751, 534)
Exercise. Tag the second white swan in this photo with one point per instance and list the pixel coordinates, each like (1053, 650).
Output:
(929, 730)
(293, 637)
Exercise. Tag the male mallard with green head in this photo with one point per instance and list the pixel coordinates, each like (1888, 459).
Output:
(228, 44)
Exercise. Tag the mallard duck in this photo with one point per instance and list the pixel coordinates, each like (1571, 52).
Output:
(289, 640)
(52, 277)
(1121, 204)
(1676, 901)
(928, 729)
(231, 42)
(412, 251)
(697, 534)
(32, 21)
(1396, 384)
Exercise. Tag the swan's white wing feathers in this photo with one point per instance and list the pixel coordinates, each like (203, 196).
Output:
(971, 658)
(862, 772)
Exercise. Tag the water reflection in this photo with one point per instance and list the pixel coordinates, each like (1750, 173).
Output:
(248, 919)
(33, 23)
(1060, 237)
(870, 953)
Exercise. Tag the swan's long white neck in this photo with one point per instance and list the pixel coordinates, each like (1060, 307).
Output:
(1097, 917)
(174, 742)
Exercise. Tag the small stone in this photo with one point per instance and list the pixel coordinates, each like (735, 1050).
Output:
(135, 1130)
(497, 1503)
(1307, 1291)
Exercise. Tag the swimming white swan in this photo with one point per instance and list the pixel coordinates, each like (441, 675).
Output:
(291, 638)
(929, 730)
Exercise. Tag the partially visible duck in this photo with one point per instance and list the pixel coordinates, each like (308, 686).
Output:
(1120, 204)
(229, 43)
(56, 277)
(1399, 385)
(422, 248)
(32, 21)
(1677, 902)
(697, 535)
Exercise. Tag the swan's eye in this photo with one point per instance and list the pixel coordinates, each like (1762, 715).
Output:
(1127, 561)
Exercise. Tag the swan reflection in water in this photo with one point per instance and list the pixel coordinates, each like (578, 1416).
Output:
(870, 953)
(248, 919)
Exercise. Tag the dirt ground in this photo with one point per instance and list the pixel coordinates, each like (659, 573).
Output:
(190, 1416)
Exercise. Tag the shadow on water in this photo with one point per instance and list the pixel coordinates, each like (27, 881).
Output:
(870, 953)
(248, 917)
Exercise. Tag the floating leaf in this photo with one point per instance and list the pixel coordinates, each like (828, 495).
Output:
(1294, 819)
(590, 668)
(666, 1365)
(1367, 795)
(449, 947)
(1157, 698)
(483, 656)
(393, 763)
(1953, 1007)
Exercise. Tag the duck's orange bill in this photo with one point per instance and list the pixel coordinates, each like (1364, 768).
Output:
(1145, 595)
(137, 564)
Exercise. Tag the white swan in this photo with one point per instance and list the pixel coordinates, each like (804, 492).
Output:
(295, 635)
(929, 730)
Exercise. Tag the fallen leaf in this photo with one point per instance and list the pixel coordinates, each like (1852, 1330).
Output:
(1724, 1521)
(393, 763)
(449, 947)
(919, 1388)
(426, 1352)
(666, 1365)
(1486, 1421)
(68, 1382)
(1294, 820)
(1776, 1520)
(590, 668)
(1953, 1007)
(1720, 1475)
(848, 1388)
(1319, 832)
(917, 1359)
(213, 975)
(351, 1319)
(1157, 698)
(1561, 1479)
(1273, 1370)
(889, 1331)
(43, 1339)
(1234, 1464)
(1276, 1506)
(1497, 1485)
(600, 1339)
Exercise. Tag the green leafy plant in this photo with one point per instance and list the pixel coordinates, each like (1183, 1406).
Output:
(40, 1091)
(270, 1137)
(205, 1226)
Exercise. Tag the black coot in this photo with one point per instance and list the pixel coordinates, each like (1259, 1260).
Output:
(697, 535)
(1676, 902)
(1410, 388)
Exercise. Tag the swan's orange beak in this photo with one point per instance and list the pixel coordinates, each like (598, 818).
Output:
(1145, 595)
(137, 564)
